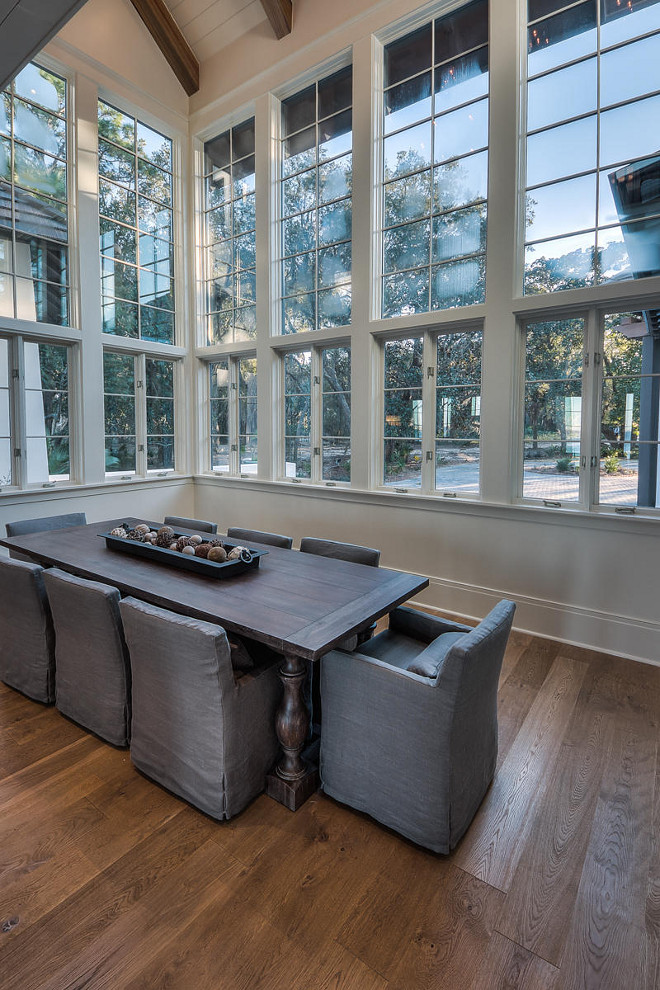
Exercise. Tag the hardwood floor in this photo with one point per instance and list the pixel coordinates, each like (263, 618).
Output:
(108, 881)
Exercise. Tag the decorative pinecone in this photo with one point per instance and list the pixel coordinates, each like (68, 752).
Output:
(135, 534)
(202, 550)
(182, 542)
(216, 543)
(164, 536)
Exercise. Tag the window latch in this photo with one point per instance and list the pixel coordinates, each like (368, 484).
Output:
(139, 383)
(317, 451)
(140, 447)
(234, 446)
(18, 452)
(550, 504)
(430, 371)
(429, 455)
(317, 380)
(14, 373)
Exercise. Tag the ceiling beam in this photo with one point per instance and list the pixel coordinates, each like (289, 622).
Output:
(25, 27)
(280, 15)
(169, 38)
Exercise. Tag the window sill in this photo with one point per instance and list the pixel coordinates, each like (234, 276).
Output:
(573, 517)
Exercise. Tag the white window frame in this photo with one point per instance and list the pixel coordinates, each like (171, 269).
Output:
(142, 472)
(233, 360)
(427, 488)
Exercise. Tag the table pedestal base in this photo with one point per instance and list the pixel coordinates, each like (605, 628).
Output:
(292, 781)
(292, 793)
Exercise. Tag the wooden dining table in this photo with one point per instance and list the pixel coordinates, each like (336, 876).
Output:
(298, 604)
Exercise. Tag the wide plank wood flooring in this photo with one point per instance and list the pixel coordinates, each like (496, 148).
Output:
(109, 881)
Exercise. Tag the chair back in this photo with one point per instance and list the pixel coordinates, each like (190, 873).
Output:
(341, 551)
(257, 536)
(199, 525)
(93, 670)
(467, 683)
(27, 638)
(181, 678)
(46, 523)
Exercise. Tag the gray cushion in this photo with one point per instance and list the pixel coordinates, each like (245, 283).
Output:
(93, 672)
(428, 662)
(27, 639)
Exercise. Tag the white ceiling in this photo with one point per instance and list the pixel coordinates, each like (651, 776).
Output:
(211, 25)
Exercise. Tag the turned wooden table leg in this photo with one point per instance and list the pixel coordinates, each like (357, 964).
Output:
(292, 780)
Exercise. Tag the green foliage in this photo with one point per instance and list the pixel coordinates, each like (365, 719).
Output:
(566, 465)
(611, 464)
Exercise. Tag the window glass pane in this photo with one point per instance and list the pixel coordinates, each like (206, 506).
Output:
(561, 38)
(408, 56)
(33, 199)
(630, 406)
(316, 223)
(133, 155)
(562, 94)
(119, 389)
(562, 150)
(553, 410)
(402, 455)
(230, 233)
(336, 414)
(47, 412)
(5, 420)
(453, 138)
(160, 414)
(458, 412)
(297, 414)
(620, 21)
(628, 132)
(562, 207)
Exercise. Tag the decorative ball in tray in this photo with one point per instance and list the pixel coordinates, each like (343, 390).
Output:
(215, 558)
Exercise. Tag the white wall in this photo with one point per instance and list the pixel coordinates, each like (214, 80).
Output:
(587, 581)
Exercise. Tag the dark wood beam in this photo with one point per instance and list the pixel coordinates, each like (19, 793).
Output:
(280, 15)
(167, 35)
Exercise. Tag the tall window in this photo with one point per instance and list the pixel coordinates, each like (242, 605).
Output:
(230, 217)
(593, 147)
(317, 414)
(34, 413)
(432, 413)
(435, 164)
(34, 270)
(135, 205)
(233, 415)
(316, 211)
(139, 414)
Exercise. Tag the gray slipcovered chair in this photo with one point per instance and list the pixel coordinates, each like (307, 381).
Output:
(257, 536)
(93, 685)
(354, 554)
(180, 522)
(27, 638)
(409, 732)
(341, 551)
(199, 728)
(43, 525)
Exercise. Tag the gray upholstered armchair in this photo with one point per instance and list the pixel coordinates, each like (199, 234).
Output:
(409, 730)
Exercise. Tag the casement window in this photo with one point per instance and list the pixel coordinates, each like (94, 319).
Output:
(317, 414)
(34, 263)
(233, 415)
(591, 410)
(316, 209)
(139, 414)
(592, 198)
(435, 164)
(136, 227)
(34, 413)
(431, 413)
(230, 235)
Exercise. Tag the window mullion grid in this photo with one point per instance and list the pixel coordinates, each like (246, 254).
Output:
(429, 347)
(140, 415)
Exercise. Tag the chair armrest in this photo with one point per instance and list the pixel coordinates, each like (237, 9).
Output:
(420, 625)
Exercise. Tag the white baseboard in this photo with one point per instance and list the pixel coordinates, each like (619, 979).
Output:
(623, 635)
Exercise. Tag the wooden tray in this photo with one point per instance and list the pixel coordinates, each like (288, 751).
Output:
(185, 561)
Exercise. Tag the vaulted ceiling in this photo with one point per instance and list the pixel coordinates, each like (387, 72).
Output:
(210, 25)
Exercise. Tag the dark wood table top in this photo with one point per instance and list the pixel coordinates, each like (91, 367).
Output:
(294, 602)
